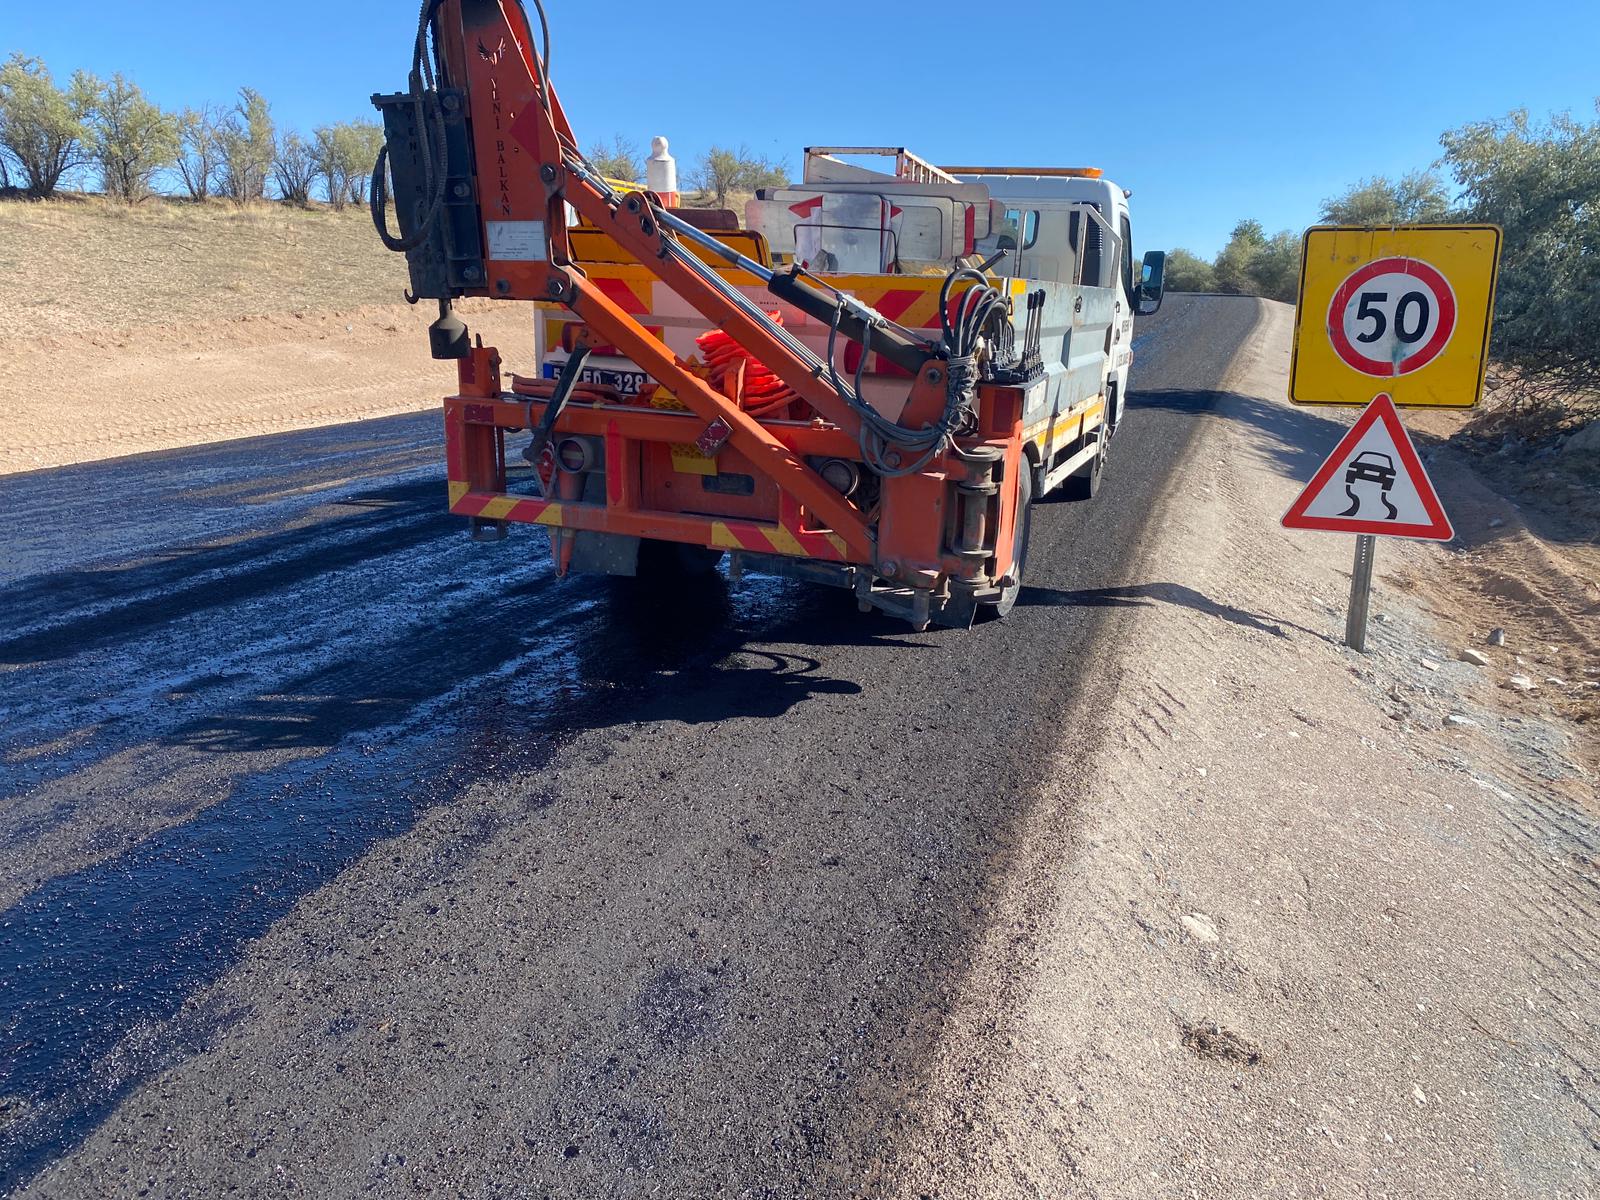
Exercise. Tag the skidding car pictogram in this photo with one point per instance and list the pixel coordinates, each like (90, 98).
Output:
(1370, 466)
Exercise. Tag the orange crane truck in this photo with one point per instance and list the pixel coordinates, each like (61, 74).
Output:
(866, 382)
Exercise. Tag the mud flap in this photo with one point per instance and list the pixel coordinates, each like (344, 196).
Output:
(595, 553)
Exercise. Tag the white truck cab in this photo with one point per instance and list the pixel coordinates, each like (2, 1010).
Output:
(1065, 227)
(1071, 225)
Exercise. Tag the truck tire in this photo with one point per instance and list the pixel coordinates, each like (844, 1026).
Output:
(1085, 483)
(1019, 545)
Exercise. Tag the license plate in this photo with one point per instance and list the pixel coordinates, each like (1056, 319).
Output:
(628, 383)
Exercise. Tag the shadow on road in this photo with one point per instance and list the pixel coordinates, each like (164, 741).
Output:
(392, 732)
(1143, 594)
(603, 648)
(1294, 440)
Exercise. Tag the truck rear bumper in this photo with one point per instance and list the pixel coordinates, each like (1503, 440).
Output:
(953, 513)
(475, 457)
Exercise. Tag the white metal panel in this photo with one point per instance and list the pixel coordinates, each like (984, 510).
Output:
(773, 221)
(846, 234)
(921, 229)
(849, 230)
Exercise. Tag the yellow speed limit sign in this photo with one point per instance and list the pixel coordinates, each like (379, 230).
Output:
(1402, 309)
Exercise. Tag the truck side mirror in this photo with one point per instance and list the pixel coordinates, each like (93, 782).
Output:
(1152, 283)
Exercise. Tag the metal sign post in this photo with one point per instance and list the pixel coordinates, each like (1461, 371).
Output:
(1355, 624)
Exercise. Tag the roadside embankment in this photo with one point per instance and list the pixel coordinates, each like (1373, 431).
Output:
(131, 329)
(80, 397)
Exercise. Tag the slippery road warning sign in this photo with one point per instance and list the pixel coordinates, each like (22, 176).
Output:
(1408, 305)
(1372, 483)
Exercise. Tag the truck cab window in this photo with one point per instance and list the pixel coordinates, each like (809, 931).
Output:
(1088, 242)
(1024, 226)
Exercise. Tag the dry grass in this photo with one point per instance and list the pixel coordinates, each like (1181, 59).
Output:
(84, 265)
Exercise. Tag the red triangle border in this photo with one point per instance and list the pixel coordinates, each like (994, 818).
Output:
(1381, 409)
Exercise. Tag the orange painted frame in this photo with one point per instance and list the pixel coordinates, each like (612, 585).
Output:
(520, 137)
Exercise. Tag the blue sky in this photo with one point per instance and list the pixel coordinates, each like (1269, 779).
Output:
(1209, 112)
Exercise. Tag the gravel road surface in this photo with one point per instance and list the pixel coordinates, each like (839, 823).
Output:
(344, 857)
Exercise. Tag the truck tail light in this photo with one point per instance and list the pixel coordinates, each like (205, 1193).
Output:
(574, 455)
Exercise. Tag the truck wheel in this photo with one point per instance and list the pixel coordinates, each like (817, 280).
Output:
(1085, 483)
(1019, 544)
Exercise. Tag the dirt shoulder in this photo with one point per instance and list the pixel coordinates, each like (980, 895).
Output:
(130, 330)
(1284, 931)
(84, 397)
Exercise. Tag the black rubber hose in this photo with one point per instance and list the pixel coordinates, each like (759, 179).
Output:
(430, 141)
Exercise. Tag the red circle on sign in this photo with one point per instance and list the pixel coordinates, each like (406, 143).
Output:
(1437, 283)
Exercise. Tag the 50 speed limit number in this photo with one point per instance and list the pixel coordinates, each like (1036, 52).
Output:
(1392, 317)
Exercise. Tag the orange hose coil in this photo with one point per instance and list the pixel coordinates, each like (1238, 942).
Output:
(762, 392)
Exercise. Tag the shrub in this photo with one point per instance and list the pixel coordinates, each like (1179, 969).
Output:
(294, 168)
(1541, 184)
(1188, 272)
(245, 148)
(618, 160)
(721, 171)
(198, 150)
(42, 127)
(1417, 197)
(131, 139)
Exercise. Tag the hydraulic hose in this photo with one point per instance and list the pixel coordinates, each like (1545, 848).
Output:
(424, 95)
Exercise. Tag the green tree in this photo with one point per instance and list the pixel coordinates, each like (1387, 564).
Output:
(294, 168)
(42, 127)
(761, 172)
(342, 157)
(365, 139)
(245, 148)
(198, 149)
(1541, 185)
(131, 139)
(618, 160)
(1416, 197)
(722, 171)
(1188, 272)
(1233, 265)
(1275, 269)
(331, 161)
(1252, 264)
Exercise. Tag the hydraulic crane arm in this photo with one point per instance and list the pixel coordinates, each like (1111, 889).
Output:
(486, 170)
(488, 79)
